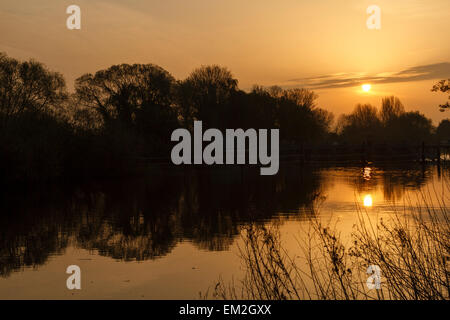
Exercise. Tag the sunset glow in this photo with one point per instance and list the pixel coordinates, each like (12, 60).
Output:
(366, 87)
(182, 35)
(368, 202)
(224, 150)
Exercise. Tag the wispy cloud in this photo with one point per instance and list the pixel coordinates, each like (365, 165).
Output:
(343, 80)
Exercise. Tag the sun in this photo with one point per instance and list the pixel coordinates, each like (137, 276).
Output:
(366, 87)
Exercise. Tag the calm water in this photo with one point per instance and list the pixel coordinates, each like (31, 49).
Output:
(172, 234)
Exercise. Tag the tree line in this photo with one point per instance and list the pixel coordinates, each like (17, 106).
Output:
(129, 111)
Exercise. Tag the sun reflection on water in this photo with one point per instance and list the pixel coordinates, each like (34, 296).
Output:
(367, 173)
(368, 201)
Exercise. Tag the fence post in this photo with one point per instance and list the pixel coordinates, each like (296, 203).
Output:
(302, 154)
(438, 153)
(423, 151)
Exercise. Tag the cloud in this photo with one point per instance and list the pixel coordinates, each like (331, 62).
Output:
(343, 80)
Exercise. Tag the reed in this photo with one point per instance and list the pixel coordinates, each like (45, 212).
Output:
(412, 249)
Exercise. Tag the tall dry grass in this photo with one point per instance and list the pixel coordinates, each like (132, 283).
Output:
(412, 249)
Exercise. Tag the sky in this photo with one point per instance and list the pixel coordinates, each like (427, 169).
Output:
(323, 45)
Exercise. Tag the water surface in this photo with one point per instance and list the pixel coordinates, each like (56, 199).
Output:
(173, 233)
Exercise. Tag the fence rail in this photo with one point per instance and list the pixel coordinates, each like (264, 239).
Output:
(343, 153)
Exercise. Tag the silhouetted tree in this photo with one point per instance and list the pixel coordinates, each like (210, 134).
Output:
(136, 98)
(301, 97)
(263, 108)
(443, 130)
(276, 92)
(205, 93)
(392, 124)
(324, 120)
(126, 112)
(129, 93)
(32, 137)
(412, 127)
(361, 125)
(391, 108)
(298, 116)
(443, 86)
(28, 87)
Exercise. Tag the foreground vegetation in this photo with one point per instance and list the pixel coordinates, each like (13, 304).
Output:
(412, 250)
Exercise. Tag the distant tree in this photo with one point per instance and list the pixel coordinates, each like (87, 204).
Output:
(443, 130)
(264, 108)
(34, 139)
(275, 92)
(295, 122)
(205, 93)
(391, 108)
(299, 96)
(298, 116)
(302, 97)
(138, 96)
(256, 109)
(364, 116)
(443, 86)
(28, 87)
(411, 127)
(361, 125)
(324, 120)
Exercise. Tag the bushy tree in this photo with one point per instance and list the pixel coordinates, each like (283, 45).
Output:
(204, 95)
(390, 125)
(28, 86)
(361, 125)
(297, 115)
(33, 140)
(411, 127)
(443, 130)
(138, 98)
(443, 86)
(391, 108)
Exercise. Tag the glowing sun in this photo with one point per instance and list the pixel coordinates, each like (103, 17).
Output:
(366, 87)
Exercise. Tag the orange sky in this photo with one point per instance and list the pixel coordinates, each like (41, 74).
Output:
(321, 44)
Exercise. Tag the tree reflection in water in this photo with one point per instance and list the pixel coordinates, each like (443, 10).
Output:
(145, 218)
